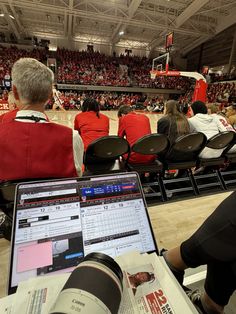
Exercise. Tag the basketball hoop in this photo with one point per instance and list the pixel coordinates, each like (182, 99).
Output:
(153, 75)
(156, 71)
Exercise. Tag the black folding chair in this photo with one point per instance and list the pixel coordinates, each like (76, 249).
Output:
(7, 196)
(152, 144)
(221, 142)
(104, 155)
(228, 173)
(182, 156)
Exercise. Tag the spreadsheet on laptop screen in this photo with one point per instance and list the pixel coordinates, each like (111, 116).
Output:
(58, 222)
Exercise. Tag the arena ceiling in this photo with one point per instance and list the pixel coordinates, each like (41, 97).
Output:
(126, 23)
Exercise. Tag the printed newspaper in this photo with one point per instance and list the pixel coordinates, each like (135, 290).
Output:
(149, 288)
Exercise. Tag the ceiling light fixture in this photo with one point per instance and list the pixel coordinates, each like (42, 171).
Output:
(121, 33)
(11, 16)
(2, 14)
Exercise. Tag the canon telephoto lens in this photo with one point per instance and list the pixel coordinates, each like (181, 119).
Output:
(95, 286)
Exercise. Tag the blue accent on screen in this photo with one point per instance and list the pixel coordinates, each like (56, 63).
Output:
(79, 254)
(108, 189)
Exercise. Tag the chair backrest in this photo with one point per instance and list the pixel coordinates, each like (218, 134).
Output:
(151, 144)
(221, 140)
(231, 148)
(7, 192)
(106, 148)
(187, 147)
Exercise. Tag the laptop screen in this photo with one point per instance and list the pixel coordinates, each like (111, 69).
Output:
(58, 222)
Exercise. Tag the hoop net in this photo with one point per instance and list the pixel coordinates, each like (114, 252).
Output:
(153, 75)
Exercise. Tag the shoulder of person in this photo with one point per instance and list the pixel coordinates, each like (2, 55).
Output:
(103, 115)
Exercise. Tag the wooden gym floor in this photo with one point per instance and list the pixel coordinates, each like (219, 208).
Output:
(172, 222)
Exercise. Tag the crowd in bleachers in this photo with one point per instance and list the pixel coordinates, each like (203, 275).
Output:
(94, 68)
(216, 93)
(89, 67)
(9, 55)
(106, 100)
(215, 77)
(220, 92)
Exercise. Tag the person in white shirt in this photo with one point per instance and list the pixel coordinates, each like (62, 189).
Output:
(207, 124)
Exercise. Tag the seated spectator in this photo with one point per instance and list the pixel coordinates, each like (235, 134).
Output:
(90, 123)
(133, 126)
(221, 120)
(213, 244)
(173, 124)
(231, 115)
(185, 109)
(205, 123)
(31, 146)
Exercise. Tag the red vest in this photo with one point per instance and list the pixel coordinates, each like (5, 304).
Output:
(35, 150)
(8, 116)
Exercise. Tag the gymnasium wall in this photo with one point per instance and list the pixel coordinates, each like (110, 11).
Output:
(214, 52)
(152, 91)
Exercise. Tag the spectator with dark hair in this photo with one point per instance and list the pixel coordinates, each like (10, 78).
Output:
(183, 108)
(205, 123)
(90, 123)
(213, 244)
(31, 146)
(173, 124)
(124, 110)
(133, 126)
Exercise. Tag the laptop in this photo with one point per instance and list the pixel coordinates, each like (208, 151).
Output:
(58, 222)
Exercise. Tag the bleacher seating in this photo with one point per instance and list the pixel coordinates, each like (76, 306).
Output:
(94, 68)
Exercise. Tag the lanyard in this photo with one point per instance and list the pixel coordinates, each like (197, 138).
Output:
(32, 118)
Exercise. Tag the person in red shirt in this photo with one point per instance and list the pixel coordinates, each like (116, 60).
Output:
(90, 123)
(133, 126)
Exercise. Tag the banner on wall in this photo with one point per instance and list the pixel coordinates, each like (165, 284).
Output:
(4, 105)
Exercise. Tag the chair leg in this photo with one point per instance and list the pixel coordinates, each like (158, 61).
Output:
(193, 182)
(162, 188)
(221, 179)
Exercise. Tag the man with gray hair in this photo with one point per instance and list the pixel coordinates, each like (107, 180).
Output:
(31, 146)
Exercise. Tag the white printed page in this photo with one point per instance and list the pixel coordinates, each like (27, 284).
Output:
(6, 304)
(150, 287)
(38, 295)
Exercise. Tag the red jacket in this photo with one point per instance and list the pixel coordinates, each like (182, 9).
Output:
(134, 126)
(91, 127)
(35, 150)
